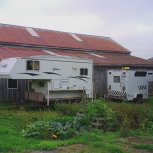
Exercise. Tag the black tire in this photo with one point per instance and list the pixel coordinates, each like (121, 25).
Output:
(139, 99)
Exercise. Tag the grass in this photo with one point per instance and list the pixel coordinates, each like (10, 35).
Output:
(13, 120)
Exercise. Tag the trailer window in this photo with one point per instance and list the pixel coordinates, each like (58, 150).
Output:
(140, 74)
(33, 65)
(41, 84)
(12, 83)
(83, 71)
(150, 73)
(116, 79)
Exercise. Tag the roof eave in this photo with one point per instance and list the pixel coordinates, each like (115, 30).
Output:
(122, 65)
(19, 45)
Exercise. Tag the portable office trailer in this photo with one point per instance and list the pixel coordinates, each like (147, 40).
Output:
(50, 77)
(127, 85)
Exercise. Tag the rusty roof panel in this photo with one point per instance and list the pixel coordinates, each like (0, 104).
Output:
(6, 52)
(19, 34)
(108, 59)
(98, 59)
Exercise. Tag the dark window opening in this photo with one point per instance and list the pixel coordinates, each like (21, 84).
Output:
(140, 74)
(83, 71)
(150, 73)
(116, 79)
(33, 65)
(86, 71)
(41, 84)
(12, 84)
(29, 65)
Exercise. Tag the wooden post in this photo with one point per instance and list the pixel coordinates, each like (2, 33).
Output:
(28, 89)
(92, 92)
(48, 94)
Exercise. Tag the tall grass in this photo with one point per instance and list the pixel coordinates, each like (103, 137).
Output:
(68, 109)
(131, 116)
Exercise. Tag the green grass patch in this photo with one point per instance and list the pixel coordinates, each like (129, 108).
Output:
(13, 119)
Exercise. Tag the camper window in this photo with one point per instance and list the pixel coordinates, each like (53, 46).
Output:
(41, 84)
(116, 79)
(12, 83)
(83, 71)
(140, 74)
(33, 65)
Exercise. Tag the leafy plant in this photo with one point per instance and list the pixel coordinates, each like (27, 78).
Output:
(99, 111)
(60, 129)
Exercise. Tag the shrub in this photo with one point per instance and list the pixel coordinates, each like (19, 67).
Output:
(59, 129)
(71, 126)
(97, 114)
(99, 111)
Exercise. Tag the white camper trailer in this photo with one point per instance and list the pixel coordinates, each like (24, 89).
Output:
(51, 77)
(127, 85)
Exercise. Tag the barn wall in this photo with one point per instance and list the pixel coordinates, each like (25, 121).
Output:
(100, 81)
(12, 95)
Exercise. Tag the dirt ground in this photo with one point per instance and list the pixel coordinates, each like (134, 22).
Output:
(82, 148)
(129, 148)
(66, 149)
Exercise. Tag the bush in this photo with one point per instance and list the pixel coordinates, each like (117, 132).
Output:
(59, 129)
(98, 114)
(99, 111)
(71, 126)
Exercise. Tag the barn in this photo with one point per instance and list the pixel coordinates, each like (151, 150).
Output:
(19, 41)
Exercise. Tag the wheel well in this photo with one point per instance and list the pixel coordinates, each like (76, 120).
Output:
(139, 98)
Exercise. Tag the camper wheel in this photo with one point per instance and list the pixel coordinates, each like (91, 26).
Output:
(139, 98)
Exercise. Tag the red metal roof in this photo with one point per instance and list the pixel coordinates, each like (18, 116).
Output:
(107, 59)
(6, 52)
(18, 34)
(98, 59)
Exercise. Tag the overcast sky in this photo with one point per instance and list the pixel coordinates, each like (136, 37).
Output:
(129, 22)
